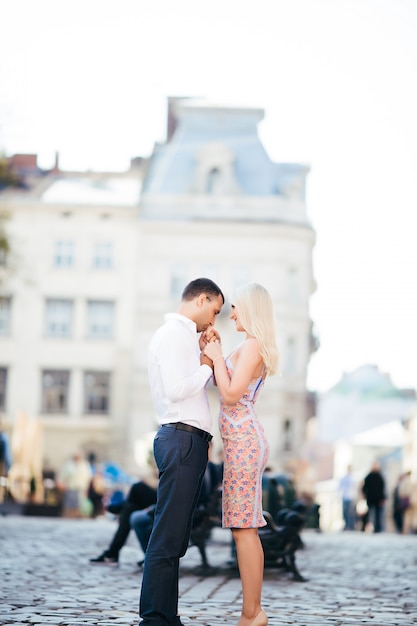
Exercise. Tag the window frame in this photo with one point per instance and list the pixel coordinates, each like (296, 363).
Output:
(62, 334)
(103, 255)
(59, 385)
(97, 335)
(101, 390)
(64, 254)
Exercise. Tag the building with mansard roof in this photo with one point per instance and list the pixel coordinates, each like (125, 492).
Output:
(214, 204)
(98, 259)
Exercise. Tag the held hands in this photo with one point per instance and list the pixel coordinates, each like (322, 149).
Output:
(210, 337)
(213, 349)
(210, 334)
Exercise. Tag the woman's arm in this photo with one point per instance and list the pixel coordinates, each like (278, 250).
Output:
(247, 362)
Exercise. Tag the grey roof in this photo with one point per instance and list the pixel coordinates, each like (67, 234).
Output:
(232, 131)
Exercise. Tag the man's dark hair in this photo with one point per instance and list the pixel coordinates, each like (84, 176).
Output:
(201, 285)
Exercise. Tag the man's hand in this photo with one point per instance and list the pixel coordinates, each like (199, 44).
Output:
(204, 360)
(213, 335)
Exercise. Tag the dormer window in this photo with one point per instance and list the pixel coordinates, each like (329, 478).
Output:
(215, 173)
(214, 181)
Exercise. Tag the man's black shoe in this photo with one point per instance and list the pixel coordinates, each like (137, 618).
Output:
(105, 559)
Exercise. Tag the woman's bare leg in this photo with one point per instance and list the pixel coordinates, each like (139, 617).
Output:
(250, 557)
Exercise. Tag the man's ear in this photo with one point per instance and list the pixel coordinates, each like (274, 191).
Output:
(201, 299)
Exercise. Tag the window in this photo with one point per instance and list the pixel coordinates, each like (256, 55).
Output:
(97, 392)
(3, 386)
(58, 321)
(64, 254)
(103, 255)
(5, 307)
(100, 319)
(55, 388)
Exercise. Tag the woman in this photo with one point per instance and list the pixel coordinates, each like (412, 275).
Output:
(239, 379)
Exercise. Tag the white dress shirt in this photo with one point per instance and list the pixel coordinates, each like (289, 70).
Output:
(177, 380)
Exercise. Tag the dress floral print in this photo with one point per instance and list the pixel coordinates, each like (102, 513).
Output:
(246, 452)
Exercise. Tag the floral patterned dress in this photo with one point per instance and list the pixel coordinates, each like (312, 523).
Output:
(246, 452)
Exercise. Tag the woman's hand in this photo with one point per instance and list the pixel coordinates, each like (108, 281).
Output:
(213, 349)
(209, 335)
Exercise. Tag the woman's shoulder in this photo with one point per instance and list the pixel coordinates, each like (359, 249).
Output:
(250, 343)
(249, 349)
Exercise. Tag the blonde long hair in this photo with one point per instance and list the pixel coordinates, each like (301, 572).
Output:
(256, 315)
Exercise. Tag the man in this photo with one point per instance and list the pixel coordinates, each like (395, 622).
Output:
(141, 521)
(374, 491)
(76, 475)
(178, 374)
(140, 497)
(348, 491)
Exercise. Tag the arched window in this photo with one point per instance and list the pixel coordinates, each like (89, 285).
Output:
(214, 180)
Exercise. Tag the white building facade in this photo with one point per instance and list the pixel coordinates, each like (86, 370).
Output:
(213, 204)
(67, 301)
(95, 277)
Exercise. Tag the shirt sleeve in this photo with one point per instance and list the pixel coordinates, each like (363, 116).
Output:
(181, 372)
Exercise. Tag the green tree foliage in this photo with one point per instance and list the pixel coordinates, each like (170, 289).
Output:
(8, 178)
(4, 243)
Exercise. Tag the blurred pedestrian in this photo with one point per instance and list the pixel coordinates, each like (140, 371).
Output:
(97, 491)
(75, 478)
(374, 492)
(5, 452)
(348, 489)
(142, 521)
(5, 461)
(272, 500)
(397, 508)
(410, 515)
(405, 501)
(141, 496)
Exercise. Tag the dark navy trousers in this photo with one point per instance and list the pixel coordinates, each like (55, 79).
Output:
(181, 458)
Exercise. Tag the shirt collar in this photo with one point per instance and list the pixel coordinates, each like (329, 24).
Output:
(191, 325)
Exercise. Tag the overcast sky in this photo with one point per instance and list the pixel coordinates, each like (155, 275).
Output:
(338, 82)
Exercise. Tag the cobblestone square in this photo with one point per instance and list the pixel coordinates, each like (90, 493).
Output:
(353, 578)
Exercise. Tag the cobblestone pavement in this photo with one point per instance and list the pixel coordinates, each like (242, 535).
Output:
(353, 579)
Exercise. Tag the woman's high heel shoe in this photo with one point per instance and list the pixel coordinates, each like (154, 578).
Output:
(261, 619)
